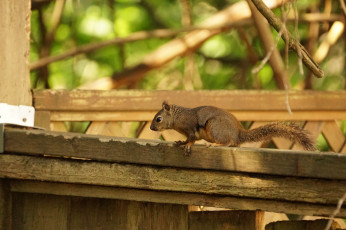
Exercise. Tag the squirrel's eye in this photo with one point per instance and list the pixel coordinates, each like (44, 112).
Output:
(158, 119)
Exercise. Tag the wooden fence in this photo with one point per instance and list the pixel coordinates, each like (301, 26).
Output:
(114, 112)
(60, 180)
(63, 180)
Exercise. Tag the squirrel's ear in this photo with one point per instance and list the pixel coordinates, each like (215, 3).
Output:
(166, 106)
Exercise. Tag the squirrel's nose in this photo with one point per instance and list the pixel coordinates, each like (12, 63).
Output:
(152, 127)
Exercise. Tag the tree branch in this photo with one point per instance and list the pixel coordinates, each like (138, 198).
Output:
(270, 47)
(288, 38)
(160, 33)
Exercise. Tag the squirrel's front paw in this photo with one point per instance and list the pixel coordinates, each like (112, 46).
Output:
(187, 148)
(179, 143)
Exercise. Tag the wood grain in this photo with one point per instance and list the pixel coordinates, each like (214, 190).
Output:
(159, 153)
(245, 115)
(42, 211)
(230, 202)
(142, 100)
(172, 179)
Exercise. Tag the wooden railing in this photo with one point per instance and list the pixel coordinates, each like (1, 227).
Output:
(128, 113)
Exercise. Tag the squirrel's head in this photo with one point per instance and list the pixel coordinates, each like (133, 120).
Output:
(163, 119)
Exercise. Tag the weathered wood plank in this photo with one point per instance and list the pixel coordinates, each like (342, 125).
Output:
(172, 179)
(241, 203)
(141, 100)
(226, 220)
(241, 115)
(154, 152)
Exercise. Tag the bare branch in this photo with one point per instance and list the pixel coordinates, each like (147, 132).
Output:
(343, 7)
(336, 211)
(161, 33)
(287, 37)
(270, 46)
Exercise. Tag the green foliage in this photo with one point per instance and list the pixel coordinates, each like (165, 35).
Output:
(222, 62)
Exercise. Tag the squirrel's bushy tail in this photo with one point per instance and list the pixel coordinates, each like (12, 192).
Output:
(267, 132)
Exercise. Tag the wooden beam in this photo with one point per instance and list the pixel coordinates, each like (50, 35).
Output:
(155, 178)
(241, 203)
(160, 153)
(246, 115)
(235, 100)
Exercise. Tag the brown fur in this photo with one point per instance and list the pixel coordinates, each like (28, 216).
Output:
(216, 125)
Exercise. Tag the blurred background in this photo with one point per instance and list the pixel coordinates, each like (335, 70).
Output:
(224, 61)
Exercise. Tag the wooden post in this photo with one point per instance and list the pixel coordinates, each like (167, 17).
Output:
(14, 55)
(14, 73)
(231, 220)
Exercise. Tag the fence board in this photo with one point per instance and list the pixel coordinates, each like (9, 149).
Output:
(268, 161)
(242, 203)
(335, 138)
(244, 115)
(107, 214)
(172, 179)
(142, 100)
(40, 212)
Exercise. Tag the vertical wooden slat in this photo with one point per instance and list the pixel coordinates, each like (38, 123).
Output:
(331, 131)
(40, 211)
(14, 74)
(343, 150)
(107, 214)
(14, 55)
(226, 220)
(42, 119)
(5, 205)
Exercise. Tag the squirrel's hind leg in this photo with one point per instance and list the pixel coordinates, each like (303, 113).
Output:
(221, 131)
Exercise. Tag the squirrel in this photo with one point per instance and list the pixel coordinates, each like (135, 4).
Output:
(218, 126)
